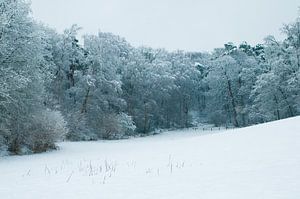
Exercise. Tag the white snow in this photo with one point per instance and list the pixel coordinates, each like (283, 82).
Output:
(259, 162)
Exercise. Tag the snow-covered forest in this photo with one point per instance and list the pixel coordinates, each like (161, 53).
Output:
(54, 87)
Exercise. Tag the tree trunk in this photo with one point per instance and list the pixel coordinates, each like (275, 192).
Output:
(233, 103)
(84, 105)
(145, 118)
(186, 112)
(277, 110)
(291, 112)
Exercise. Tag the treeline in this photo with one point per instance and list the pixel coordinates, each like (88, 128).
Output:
(52, 87)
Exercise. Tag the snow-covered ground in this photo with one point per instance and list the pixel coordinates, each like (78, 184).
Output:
(261, 162)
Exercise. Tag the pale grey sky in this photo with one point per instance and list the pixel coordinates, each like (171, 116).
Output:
(193, 25)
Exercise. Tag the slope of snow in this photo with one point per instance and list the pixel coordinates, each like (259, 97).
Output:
(256, 162)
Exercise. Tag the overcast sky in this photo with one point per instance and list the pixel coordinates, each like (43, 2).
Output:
(193, 25)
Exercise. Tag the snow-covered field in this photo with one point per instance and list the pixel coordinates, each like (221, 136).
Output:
(259, 162)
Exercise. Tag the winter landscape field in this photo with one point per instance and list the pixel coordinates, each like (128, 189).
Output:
(160, 99)
(261, 162)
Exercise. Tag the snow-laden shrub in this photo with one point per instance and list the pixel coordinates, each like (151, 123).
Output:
(78, 128)
(3, 147)
(4, 134)
(126, 124)
(117, 126)
(46, 128)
